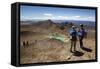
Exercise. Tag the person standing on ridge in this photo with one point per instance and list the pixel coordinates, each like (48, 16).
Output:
(81, 34)
(73, 38)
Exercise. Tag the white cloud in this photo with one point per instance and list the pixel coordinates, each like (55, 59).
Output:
(51, 16)
(62, 17)
(47, 14)
(77, 16)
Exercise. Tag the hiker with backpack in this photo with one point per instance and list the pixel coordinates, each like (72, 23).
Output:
(81, 34)
(73, 38)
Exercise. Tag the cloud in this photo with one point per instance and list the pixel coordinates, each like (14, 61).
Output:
(62, 17)
(77, 16)
(51, 16)
(47, 14)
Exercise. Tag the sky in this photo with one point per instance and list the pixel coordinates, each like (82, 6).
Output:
(54, 13)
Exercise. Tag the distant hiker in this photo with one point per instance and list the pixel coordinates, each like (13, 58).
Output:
(27, 43)
(23, 43)
(73, 38)
(81, 34)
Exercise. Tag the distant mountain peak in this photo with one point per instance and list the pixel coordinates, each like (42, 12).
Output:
(47, 21)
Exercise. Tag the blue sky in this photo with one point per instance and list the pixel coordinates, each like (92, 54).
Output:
(37, 12)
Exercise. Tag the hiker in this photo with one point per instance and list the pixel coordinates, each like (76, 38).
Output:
(23, 43)
(81, 34)
(73, 38)
(27, 43)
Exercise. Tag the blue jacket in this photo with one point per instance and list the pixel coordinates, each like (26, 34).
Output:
(73, 33)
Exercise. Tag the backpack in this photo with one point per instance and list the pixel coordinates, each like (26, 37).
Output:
(82, 33)
(73, 33)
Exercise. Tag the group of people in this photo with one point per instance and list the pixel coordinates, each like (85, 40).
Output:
(25, 43)
(77, 34)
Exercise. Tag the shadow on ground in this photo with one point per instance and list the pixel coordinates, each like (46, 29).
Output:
(86, 49)
(78, 53)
